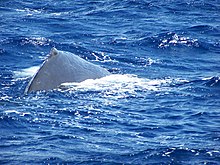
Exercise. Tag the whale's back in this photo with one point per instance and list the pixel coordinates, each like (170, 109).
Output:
(61, 67)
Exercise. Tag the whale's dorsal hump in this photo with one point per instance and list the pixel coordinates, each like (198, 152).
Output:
(53, 52)
(61, 67)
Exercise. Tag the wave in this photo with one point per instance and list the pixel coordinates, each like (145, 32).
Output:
(174, 155)
(161, 155)
(207, 29)
(172, 39)
(161, 40)
(212, 82)
(22, 40)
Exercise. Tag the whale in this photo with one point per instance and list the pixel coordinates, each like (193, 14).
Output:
(63, 67)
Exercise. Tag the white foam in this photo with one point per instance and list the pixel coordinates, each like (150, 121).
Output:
(212, 152)
(29, 11)
(118, 86)
(181, 40)
(25, 73)
(36, 41)
(17, 112)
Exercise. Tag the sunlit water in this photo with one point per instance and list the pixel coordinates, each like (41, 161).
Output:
(160, 105)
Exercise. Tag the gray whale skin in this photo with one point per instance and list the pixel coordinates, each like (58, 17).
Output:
(61, 67)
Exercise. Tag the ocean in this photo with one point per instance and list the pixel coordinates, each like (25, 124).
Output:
(160, 105)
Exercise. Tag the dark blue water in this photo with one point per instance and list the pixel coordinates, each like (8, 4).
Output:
(160, 106)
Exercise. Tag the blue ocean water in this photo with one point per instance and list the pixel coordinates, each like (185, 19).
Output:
(161, 105)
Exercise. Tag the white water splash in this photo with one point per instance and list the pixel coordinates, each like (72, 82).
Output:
(17, 112)
(25, 73)
(118, 86)
(178, 40)
(36, 41)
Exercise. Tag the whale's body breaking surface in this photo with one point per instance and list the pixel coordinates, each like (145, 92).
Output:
(61, 67)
